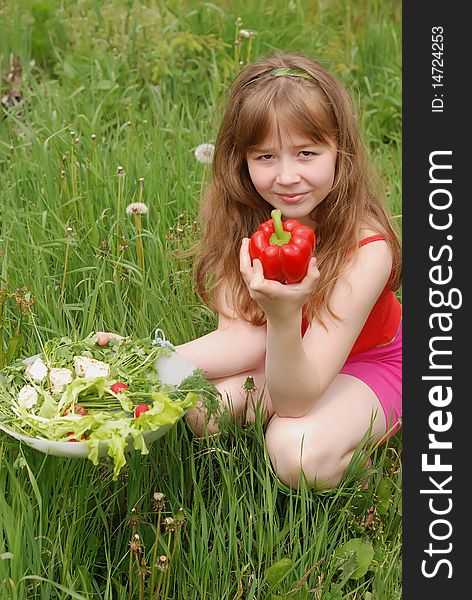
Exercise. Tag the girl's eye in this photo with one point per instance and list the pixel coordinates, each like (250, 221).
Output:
(266, 156)
(307, 153)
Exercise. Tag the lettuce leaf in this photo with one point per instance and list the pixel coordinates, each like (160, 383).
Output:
(77, 386)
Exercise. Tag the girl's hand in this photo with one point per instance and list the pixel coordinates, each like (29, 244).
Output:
(103, 337)
(276, 299)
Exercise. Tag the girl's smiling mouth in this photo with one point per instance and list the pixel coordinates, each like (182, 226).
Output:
(291, 198)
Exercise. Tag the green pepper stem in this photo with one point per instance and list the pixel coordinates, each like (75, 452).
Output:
(280, 237)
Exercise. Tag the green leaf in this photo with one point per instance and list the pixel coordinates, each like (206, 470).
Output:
(14, 346)
(48, 409)
(79, 386)
(278, 570)
(384, 496)
(116, 449)
(356, 553)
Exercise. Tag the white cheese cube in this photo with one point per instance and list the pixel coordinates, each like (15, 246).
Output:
(89, 367)
(37, 370)
(27, 396)
(59, 378)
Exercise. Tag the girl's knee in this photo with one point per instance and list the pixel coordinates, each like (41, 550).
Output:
(296, 455)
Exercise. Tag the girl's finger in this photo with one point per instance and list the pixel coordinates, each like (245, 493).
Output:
(312, 273)
(103, 337)
(244, 257)
(258, 273)
(313, 266)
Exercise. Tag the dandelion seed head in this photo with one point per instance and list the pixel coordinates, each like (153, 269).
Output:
(238, 22)
(136, 208)
(180, 515)
(204, 153)
(119, 171)
(94, 137)
(246, 33)
(69, 230)
(159, 501)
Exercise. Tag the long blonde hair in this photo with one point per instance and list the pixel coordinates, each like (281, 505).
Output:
(231, 208)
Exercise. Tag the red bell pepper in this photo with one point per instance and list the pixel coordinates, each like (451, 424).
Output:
(284, 248)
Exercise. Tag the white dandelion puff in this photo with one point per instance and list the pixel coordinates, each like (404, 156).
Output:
(204, 153)
(247, 33)
(136, 208)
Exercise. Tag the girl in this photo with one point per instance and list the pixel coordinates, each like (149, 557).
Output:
(325, 351)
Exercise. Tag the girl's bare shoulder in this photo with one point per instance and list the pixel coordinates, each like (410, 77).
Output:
(367, 229)
(373, 258)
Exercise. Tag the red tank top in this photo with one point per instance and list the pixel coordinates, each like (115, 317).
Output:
(383, 321)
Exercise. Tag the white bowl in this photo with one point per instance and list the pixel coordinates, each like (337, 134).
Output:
(172, 370)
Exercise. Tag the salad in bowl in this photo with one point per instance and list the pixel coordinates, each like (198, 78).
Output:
(79, 399)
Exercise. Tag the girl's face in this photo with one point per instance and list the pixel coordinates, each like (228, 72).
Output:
(295, 176)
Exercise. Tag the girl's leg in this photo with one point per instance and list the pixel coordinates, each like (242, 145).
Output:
(322, 442)
(233, 400)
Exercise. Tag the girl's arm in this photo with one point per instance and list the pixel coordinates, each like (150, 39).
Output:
(234, 347)
(298, 371)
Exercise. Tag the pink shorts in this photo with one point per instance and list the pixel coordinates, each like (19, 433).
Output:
(381, 369)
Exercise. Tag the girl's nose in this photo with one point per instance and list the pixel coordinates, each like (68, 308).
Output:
(287, 173)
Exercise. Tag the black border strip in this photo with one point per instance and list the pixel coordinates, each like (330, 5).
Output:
(436, 250)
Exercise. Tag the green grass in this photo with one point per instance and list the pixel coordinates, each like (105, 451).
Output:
(145, 79)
